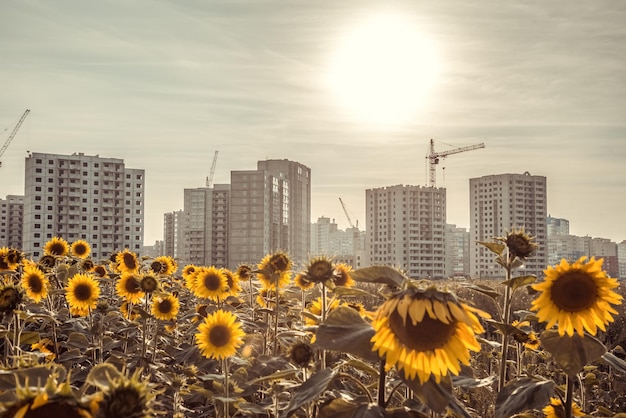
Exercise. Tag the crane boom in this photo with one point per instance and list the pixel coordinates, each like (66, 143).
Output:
(345, 210)
(209, 179)
(10, 138)
(433, 157)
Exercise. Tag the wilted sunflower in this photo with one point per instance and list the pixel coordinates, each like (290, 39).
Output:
(233, 283)
(82, 292)
(220, 335)
(274, 270)
(576, 297)
(301, 354)
(127, 397)
(526, 336)
(164, 265)
(210, 283)
(519, 243)
(127, 261)
(302, 282)
(129, 287)
(165, 307)
(80, 249)
(57, 247)
(10, 297)
(35, 283)
(426, 332)
(556, 409)
(342, 275)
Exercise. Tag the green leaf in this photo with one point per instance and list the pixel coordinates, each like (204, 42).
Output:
(282, 374)
(494, 247)
(379, 274)
(437, 396)
(506, 329)
(466, 379)
(573, 353)
(309, 390)
(78, 340)
(101, 375)
(615, 362)
(520, 281)
(342, 291)
(523, 394)
(486, 290)
(29, 337)
(344, 330)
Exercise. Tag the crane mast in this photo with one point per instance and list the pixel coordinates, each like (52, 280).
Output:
(345, 210)
(433, 158)
(209, 179)
(10, 138)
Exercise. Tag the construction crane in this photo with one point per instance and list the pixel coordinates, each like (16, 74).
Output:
(10, 138)
(209, 179)
(345, 210)
(433, 158)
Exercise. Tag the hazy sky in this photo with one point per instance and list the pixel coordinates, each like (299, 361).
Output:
(163, 84)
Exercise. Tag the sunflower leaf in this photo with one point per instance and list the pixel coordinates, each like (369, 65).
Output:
(486, 290)
(494, 247)
(523, 394)
(282, 374)
(517, 282)
(344, 330)
(615, 362)
(343, 291)
(9, 379)
(102, 375)
(379, 274)
(573, 353)
(309, 390)
(505, 329)
(437, 396)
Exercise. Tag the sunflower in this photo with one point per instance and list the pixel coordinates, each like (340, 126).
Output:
(267, 298)
(149, 284)
(164, 265)
(132, 315)
(302, 282)
(220, 335)
(35, 283)
(10, 297)
(188, 275)
(301, 354)
(87, 265)
(80, 249)
(47, 261)
(82, 292)
(426, 332)
(233, 283)
(319, 270)
(165, 307)
(9, 258)
(519, 243)
(526, 336)
(556, 409)
(342, 275)
(100, 271)
(129, 287)
(127, 261)
(44, 346)
(274, 270)
(316, 309)
(210, 283)
(126, 397)
(243, 272)
(42, 405)
(56, 247)
(576, 297)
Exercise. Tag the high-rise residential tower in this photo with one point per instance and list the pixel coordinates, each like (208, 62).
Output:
(85, 197)
(406, 229)
(270, 211)
(11, 221)
(499, 204)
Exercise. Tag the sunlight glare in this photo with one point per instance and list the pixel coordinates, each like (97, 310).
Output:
(383, 70)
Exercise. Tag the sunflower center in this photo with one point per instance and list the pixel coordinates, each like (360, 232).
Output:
(129, 261)
(574, 291)
(80, 249)
(320, 271)
(219, 335)
(149, 284)
(132, 285)
(212, 282)
(158, 267)
(426, 335)
(35, 284)
(82, 292)
(57, 248)
(279, 262)
(165, 306)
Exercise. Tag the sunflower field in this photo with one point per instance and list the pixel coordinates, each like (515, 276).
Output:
(140, 337)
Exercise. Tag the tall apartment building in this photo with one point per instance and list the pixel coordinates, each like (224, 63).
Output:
(405, 228)
(270, 211)
(457, 251)
(557, 226)
(344, 246)
(621, 259)
(500, 203)
(569, 247)
(11, 221)
(173, 242)
(85, 197)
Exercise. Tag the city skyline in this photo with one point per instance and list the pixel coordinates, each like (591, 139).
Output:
(165, 85)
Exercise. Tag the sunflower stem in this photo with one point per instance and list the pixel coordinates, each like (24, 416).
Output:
(156, 338)
(225, 368)
(506, 318)
(382, 374)
(323, 353)
(276, 320)
(251, 300)
(568, 397)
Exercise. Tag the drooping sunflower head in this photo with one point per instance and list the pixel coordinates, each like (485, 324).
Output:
(576, 297)
(210, 283)
(302, 282)
(47, 261)
(341, 276)
(301, 354)
(35, 282)
(127, 261)
(220, 335)
(519, 243)
(82, 292)
(232, 281)
(275, 270)
(127, 397)
(80, 249)
(87, 265)
(244, 272)
(557, 410)
(149, 284)
(4, 263)
(10, 258)
(319, 270)
(53, 400)
(100, 271)
(129, 287)
(164, 265)
(56, 247)
(10, 297)
(165, 307)
(426, 332)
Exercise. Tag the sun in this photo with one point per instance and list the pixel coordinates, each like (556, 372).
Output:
(383, 71)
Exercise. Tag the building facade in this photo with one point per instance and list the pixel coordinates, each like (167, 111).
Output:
(499, 204)
(457, 251)
(85, 197)
(11, 221)
(405, 229)
(344, 246)
(557, 226)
